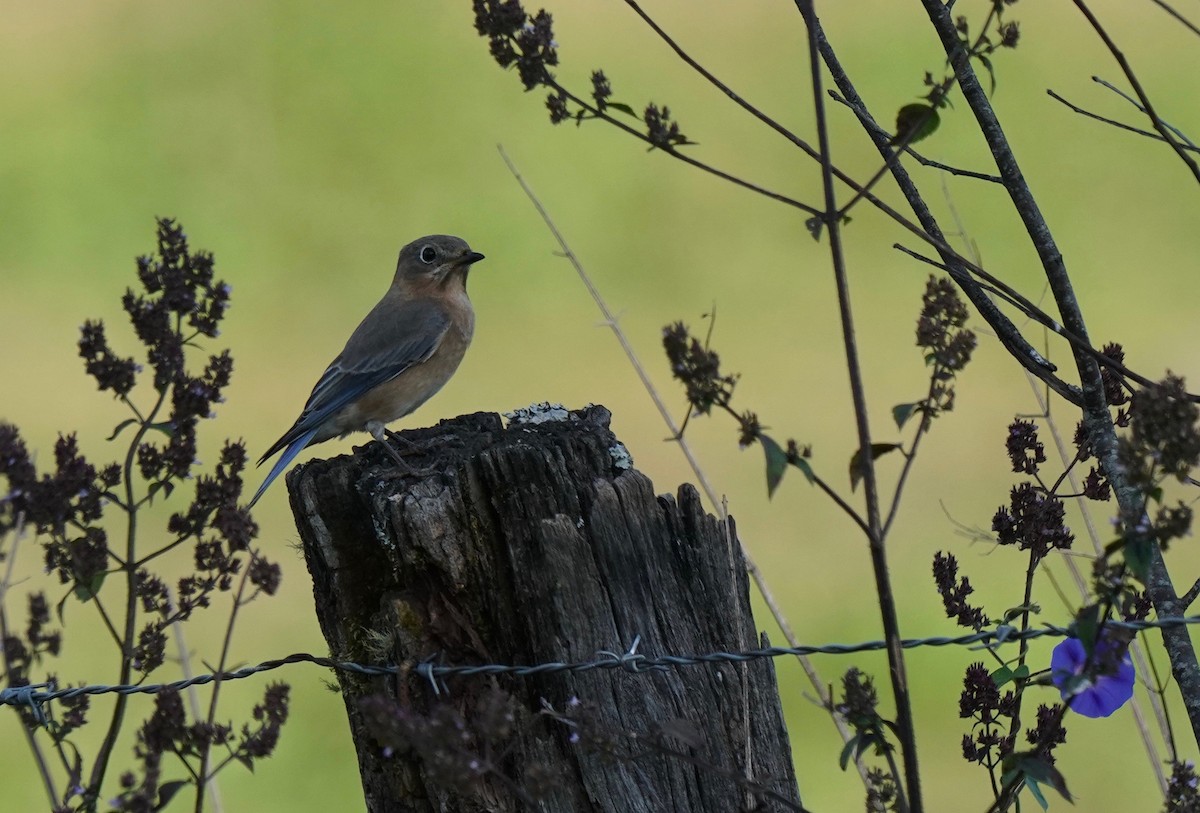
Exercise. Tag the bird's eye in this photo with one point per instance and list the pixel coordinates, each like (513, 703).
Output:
(428, 254)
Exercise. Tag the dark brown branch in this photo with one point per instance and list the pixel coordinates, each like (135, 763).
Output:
(910, 798)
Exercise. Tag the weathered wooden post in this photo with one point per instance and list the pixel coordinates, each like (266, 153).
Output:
(527, 544)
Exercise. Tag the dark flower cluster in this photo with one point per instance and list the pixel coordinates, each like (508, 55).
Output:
(559, 106)
(954, 592)
(1048, 733)
(1025, 451)
(1096, 486)
(63, 506)
(882, 794)
(72, 496)
(456, 749)
(1112, 584)
(21, 653)
(1171, 523)
(1010, 33)
(661, 131)
(1033, 521)
(698, 368)
(1163, 437)
(1183, 789)
(601, 90)
(860, 701)
(516, 38)
(168, 732)
(981, 701)
(1114, 386)
(112, 372)
(940, 333)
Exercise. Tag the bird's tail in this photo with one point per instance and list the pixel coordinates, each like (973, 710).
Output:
(294, 448)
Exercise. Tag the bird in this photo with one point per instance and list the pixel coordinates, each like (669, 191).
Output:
(399, 356)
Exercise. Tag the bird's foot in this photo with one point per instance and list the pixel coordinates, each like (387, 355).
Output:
(406, 468)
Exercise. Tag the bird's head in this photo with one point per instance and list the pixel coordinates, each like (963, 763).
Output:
(434, 262)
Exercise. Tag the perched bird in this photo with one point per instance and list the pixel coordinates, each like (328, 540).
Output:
(402, 353)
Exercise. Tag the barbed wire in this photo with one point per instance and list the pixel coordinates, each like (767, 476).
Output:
(35, 695)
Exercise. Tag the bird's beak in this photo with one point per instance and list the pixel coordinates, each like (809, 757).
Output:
(470, 258)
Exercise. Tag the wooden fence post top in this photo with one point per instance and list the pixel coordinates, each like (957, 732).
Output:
(527, 543)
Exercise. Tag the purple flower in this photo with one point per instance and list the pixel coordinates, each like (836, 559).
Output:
(1108, 683)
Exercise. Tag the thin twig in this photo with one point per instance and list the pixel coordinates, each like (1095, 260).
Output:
(910, 798)
(764, 588)
(1114, 123)
(1110, 86)
(1137, 87)
(193, 699)
(35, 748)
(1178, 17)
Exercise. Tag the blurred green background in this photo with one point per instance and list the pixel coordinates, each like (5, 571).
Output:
(304, 143)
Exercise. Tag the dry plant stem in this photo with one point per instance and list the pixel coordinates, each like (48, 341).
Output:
(1119, 125)
(100, 766)
(193, 700)
(204, 777)
(910, 797)
(1137, 87)
(814, 678)
(910, 457)
(35, 748)
(1096, 418)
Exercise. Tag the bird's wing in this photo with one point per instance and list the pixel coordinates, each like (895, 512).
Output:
(390, 340)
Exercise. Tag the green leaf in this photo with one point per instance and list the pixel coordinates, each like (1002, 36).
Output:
(987, 63)
(121, 427)
(1020, 610)
(902, 412)
(849, 748)
(806, 469)
(624, 108)
(1002, 676)
(1087, 624)
(167, 791)
(814, 225)
(1137, 557)
(166, 427)
(1037, 769)
(1036, 793)
(915, 122)
(1021, 672)
(776, 463)
(165, 486)
(859, 462)
(87, 592)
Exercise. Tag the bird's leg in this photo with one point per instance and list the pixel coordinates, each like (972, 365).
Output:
(400, 440)
(381, 434)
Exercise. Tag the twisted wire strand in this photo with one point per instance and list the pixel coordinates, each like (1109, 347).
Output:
(630, 660)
